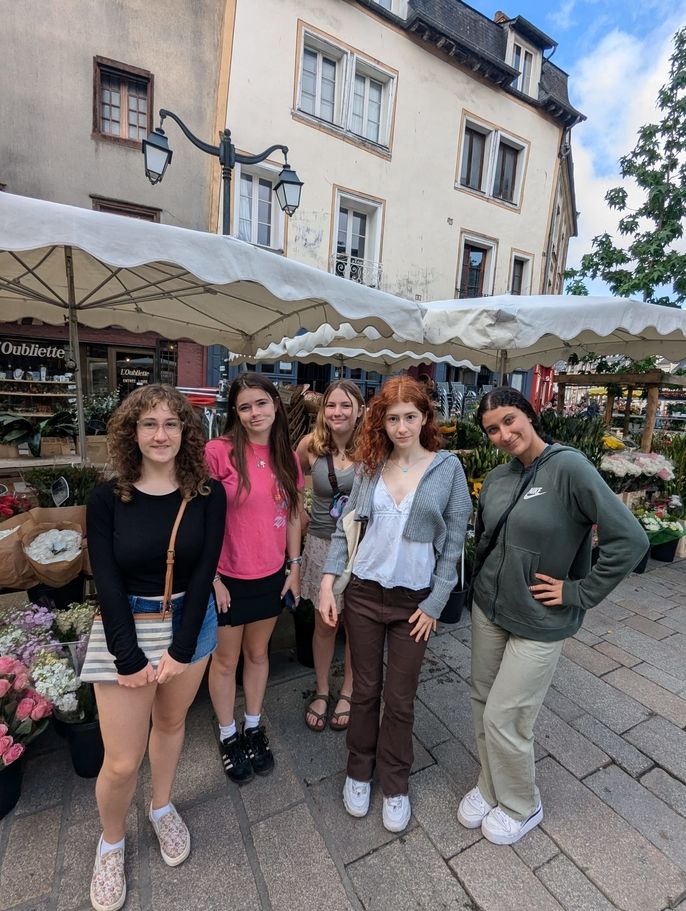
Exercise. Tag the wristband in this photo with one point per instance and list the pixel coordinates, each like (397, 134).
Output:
(297, 561)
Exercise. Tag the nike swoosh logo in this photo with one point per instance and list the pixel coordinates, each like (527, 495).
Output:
(531, 494)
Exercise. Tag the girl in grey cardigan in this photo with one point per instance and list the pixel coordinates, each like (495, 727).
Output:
(413, 501)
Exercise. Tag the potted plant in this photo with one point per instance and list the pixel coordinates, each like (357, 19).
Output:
(56, 431)
(80, 478)
(15, 430)
(75, 711)
(97, 411)
(664, 528)
(23, 715)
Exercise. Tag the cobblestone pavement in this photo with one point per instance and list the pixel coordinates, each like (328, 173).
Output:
(611, 760)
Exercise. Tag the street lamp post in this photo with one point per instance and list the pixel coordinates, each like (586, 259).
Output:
(158, 155)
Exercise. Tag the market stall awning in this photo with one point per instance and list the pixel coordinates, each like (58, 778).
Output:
(510, 331)
(93, 269)
(180, 283)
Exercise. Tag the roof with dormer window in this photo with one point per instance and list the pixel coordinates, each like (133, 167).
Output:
(480, 43)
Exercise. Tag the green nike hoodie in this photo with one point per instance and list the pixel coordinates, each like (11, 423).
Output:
(549, 531)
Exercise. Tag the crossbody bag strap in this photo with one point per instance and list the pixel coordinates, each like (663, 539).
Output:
(493, 540)
(169, 578)
(333, 480)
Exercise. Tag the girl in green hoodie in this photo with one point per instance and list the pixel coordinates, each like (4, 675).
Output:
(533, 586)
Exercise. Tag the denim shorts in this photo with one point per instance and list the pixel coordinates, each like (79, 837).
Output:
(207, 637)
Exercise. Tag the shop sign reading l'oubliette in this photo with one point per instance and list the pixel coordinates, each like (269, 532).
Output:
(16, 348)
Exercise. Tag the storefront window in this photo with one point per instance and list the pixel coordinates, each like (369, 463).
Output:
(132, 369)
(167, 360)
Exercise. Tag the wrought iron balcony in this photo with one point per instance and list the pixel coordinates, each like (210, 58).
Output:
(364, 271)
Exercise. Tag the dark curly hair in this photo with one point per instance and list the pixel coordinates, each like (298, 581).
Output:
(507, 397)
(373, 445)
(280, 451)
(190, 467)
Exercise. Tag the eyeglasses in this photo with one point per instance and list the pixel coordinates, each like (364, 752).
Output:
(149, 427)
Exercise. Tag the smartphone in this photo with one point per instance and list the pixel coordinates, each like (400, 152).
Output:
(289, 601)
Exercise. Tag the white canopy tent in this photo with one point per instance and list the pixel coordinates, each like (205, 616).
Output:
(508, 331)
(345, 347)
(60, 262)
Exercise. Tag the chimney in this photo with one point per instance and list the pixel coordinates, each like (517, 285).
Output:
(501, 17)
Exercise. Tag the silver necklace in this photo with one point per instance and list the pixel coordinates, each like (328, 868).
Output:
(410, 466)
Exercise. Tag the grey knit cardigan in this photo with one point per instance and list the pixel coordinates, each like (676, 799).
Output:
(439, 514)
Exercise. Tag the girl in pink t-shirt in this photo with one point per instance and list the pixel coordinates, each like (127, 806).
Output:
(262, 478)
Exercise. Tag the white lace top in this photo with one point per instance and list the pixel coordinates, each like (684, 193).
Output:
(384, 556)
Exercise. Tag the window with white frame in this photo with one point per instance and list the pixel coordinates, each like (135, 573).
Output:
(475, 274)
(399, 7)
(523, 61)
(318, 84)
(358, 239)
(492, 162)
(505, 171)
(473, 157)
(258, 219)
(343, 89)
(520, 274)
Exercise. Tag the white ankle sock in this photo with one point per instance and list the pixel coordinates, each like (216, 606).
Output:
(251, 721)
(158, 814)
(227, 730)
(106, 847)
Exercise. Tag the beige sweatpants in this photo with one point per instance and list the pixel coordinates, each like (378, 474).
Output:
(510, 677)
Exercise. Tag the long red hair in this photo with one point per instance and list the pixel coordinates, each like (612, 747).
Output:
(373, 446)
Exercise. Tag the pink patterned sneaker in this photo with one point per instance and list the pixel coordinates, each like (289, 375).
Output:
(108, 885)
(173, 836)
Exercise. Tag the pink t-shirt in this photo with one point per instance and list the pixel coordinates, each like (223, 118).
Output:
(256, 523)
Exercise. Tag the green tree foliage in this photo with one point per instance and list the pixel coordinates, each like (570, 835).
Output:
(644, 260)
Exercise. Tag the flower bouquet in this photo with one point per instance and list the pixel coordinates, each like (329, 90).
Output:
(23, 711)
(663, 523)
(631, 470)
(11, 505)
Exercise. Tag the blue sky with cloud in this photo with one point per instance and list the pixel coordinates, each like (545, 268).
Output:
(617, 56)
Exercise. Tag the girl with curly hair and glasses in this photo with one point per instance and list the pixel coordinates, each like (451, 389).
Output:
(326, 455)
(156, 447)
(413, 499)
(262, 478)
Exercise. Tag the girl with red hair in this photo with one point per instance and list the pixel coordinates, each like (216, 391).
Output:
(412, 500)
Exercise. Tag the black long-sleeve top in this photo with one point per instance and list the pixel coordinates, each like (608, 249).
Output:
(127, 544)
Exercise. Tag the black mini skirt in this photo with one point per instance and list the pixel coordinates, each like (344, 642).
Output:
(252, 599)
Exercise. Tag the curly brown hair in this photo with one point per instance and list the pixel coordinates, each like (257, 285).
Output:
(190, 467)
(373, 446)
(321, 441)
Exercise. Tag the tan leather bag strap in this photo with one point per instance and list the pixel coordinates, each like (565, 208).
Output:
(169, 578)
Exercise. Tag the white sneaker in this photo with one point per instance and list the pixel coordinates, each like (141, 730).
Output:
(356, 796)
(473, 809)
(396, 812)
(502, 829)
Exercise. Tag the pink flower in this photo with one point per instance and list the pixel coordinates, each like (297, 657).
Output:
(21, 682)
(5, 743)
(14, 752)
(4, 687)
(41, 710)
(3, 730)
(24, 709)
(7, 664)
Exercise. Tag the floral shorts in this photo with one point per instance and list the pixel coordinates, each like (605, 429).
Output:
(314, 557)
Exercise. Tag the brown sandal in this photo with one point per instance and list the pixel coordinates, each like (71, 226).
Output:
(334, 722)
(321, 717)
